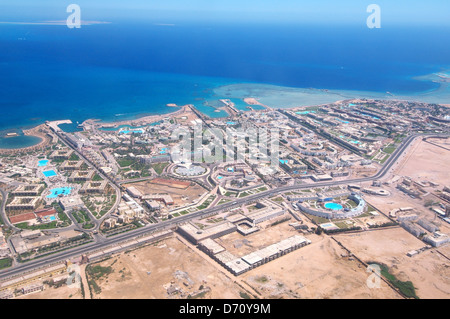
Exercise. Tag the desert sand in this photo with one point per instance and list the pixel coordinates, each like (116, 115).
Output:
(429, 271)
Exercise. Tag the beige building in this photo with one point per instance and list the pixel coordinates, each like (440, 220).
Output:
(110, 223)
(81, 176)
(91, 187)
(24, 203)
(71, 165)
(28, 190)
(61, 154)
(32, 288)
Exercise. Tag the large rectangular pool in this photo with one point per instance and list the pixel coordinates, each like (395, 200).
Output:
(49, 173)
(42, 163)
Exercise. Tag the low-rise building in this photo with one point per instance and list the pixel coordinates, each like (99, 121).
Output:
(24, 203)
(71, 165)
(153, 205)
(210, 247)
(110, 223)
(81, 176)
(61, 154)
(195, 235)
(28, 190)
(32, 288)
(437, 239)
(92, 187)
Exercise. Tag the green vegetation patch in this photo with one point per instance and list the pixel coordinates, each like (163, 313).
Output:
(159, 167)
(97, 271)
(341, 225)
(389, 149)
(406, 287)
(244, 295)
(97, 178)
(125, 162)
(5, 263)
(25, 225)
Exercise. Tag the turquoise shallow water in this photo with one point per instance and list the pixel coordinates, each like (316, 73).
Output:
(123, 71)
(19, 141)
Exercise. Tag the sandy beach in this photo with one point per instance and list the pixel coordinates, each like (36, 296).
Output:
(39, 131)
(145, 120)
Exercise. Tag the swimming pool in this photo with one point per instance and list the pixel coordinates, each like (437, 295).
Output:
(49, 173)
(305, 112)
(333, 206)
(132, 131)
(219, 177)
(60, 191)
(42, 163)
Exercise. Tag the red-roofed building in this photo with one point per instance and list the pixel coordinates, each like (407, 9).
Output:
(22, 218)
(45, 212)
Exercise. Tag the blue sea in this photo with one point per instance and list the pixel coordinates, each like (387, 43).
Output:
(122, 70)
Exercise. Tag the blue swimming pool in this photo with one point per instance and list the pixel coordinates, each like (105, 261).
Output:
(42, 163)
(49, 173)
(60, 191)
(305, 112)
(132, 131)
(333, 206)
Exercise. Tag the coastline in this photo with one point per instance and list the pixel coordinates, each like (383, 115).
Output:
(268, 96)
(40, 131)
(144, 120)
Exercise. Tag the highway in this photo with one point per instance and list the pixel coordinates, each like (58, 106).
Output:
(104, 242)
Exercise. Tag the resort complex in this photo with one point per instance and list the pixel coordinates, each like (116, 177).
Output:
(310, 174)
(225, 155)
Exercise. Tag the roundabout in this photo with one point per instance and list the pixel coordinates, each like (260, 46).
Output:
(190, 170)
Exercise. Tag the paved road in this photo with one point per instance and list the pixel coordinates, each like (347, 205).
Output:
(104, 242)
(3, 211)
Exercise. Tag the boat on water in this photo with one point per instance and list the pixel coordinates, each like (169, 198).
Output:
(11, 135)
